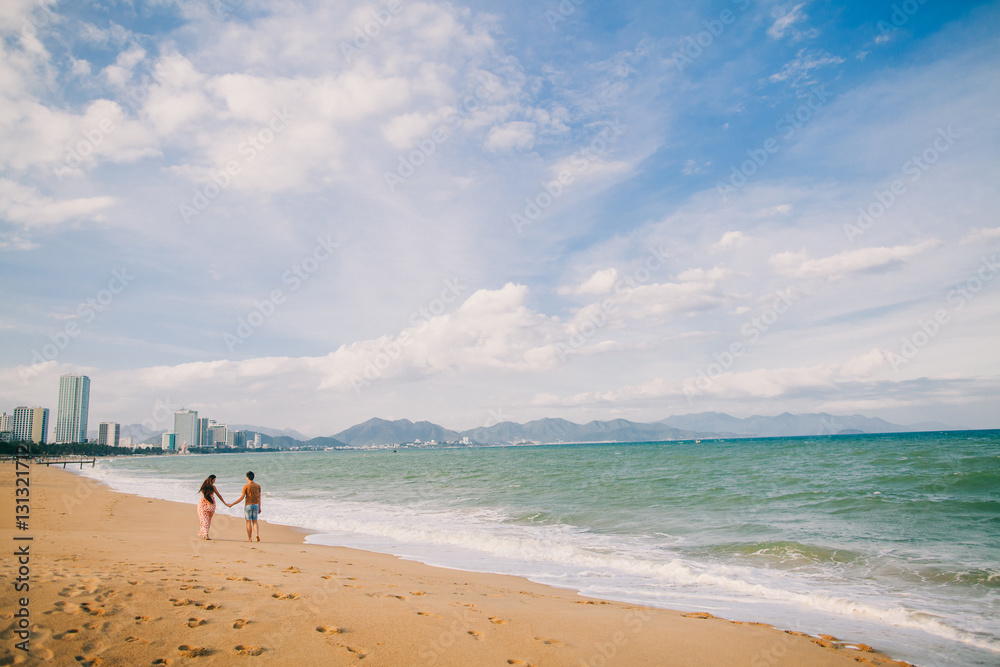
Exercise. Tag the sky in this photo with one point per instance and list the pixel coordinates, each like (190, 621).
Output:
(304, 214)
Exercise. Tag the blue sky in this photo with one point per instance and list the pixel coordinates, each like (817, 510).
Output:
(302, 216)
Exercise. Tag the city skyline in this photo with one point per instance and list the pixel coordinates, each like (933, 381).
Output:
(469, 212)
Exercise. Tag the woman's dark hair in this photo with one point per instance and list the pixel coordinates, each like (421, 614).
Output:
(207, 486)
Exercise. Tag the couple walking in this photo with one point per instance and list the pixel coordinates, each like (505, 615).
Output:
(206, 505)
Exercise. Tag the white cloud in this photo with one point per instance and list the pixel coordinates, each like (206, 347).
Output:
(602, 282)
(730, 241)
(26, 206)
(975, 236)
(781, 209)
(800, 70)
(403, 130)
(16, 242)
(514, 135)
(691, 167)
(785, 19)
(759, 383)
(801, 265)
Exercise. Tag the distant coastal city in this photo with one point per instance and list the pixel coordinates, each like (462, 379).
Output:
(190, 433)
(193, 434)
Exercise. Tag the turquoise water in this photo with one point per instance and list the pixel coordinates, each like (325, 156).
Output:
(889, 540)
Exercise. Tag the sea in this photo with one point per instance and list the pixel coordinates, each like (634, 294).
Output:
(891, 540)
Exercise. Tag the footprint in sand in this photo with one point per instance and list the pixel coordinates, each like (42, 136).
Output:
(239, 578)
(195, 622)
(93, 611)
(240, 623)
(133, 639)
(428, 614)
(161, 661)
(248, 650)
(72, 633)
(139, 620)
(181, 602)
(551, 642)
(285, 596)
(67, 607)
(496, 620)
(475, 634)
(331, 630)
(88, 660)
(194, 651)
(207, 607)
(417, 593)
(293, 570)
(360, 652)
(515, 661)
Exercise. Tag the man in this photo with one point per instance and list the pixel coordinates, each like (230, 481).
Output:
(251, 491)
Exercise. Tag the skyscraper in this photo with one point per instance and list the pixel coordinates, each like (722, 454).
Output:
(205, 431)
(39, 425)
(109, 433)
(74, 406)
(187, 429)
(21, 428)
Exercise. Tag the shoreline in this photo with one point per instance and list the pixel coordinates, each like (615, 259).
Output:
(121, 579)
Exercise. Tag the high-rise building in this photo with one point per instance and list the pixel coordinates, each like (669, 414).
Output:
(74, 405)
(109, 433)
(169, 441)
(6, 423)
(21, 429)
(186, 428)
(205, 431)
(30, 424)
(236, 440)
(39, 425)
(219, 435)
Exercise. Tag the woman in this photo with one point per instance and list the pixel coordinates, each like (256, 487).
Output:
(206, 505)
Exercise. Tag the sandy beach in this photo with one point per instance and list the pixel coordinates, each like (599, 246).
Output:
(115, 579)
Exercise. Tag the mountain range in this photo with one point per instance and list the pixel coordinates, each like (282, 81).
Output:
(704, 425)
